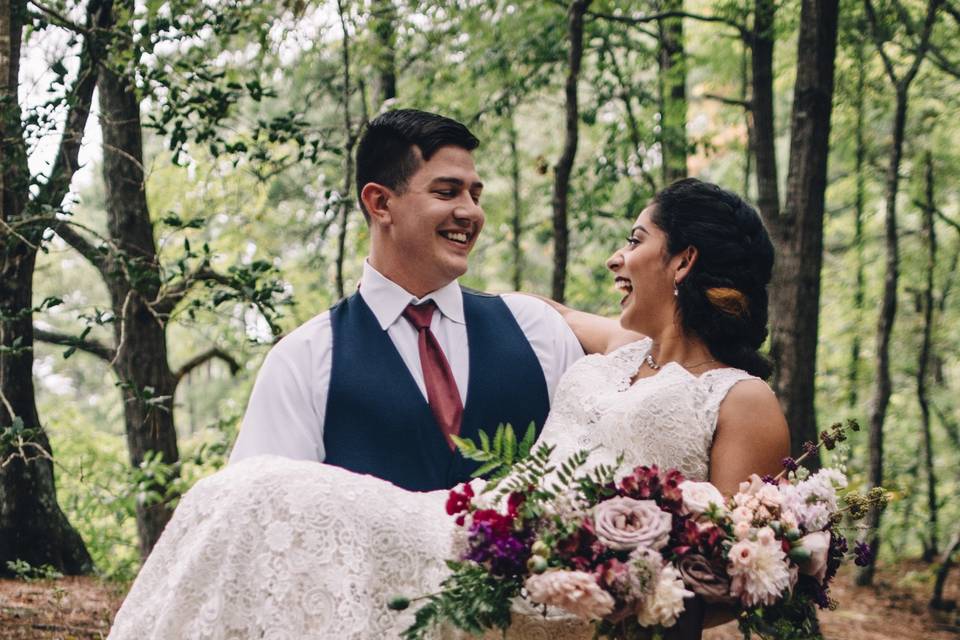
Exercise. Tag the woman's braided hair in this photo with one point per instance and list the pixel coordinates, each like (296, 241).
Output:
(723, 299)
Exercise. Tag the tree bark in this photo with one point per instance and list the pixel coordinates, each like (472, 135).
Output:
(672, 85)
(517, 218)
(859, 200)
(133, 280)
(888, 305)
(764, 132)
(346, 203)
(33, 528)
(798, 228)
(946, 563)
(564, 167)
(930, 541)
(384, 15)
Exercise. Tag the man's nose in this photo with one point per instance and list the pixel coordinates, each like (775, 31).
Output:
(468, 211)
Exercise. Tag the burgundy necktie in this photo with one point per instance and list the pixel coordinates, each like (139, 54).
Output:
(442, 393)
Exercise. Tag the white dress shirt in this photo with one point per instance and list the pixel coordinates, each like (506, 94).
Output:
(287, 407)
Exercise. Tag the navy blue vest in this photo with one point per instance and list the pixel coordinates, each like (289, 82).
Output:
(378, 421)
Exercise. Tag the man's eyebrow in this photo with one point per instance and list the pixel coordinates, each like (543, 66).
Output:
(456, 181)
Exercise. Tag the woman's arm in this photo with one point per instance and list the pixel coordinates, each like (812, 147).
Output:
(751, 437)
(596, 334)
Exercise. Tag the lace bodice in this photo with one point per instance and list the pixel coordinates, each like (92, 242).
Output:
(667, 419)
(280, 549)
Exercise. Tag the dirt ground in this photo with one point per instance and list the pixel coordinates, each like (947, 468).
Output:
(82, 609)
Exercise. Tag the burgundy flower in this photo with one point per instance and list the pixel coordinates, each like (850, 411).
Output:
(647, 483)
(671, 497)
(581, 547)
(514, 502)
(458, 502)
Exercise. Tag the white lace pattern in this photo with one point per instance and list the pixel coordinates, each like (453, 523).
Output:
(279, 549)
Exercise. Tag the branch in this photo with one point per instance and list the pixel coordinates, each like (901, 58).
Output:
(84, 247)
(655, 17)
(92, 347)
(941, 62)
(746, 104)
(58, 18)
(875, 32)
(79, 98)
(953, 11)
(950, 221)
(202, 358)
(921, 51)
(170, 297)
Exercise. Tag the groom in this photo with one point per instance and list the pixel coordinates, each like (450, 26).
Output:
(380, 382)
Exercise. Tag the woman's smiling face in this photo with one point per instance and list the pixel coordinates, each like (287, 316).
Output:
(644, 273)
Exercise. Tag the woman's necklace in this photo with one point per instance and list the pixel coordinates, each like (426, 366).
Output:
(653, 364)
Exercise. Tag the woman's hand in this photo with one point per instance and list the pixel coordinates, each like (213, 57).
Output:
(596, 334)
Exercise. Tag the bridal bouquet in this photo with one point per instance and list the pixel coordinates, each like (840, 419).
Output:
(628, 554)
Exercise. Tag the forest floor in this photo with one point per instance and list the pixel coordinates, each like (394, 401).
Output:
(82, 609)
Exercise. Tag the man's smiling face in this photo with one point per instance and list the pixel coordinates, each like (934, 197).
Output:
(434, 223)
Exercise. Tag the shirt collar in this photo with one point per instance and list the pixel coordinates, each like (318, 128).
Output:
(387, 299)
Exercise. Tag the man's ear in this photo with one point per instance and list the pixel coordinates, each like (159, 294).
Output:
(688, 257)
(375, 198)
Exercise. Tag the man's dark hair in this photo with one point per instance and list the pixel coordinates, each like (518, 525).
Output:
(386, 154)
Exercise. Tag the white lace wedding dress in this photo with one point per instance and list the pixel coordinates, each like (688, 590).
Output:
(277, 549)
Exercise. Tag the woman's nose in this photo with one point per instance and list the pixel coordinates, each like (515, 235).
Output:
(615, 261)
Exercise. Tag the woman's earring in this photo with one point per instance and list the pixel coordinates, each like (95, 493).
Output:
(676, 291)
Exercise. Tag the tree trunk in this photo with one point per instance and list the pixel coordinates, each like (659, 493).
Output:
(133, 280)
(798, 229)
(888, 312)
(888, 305)
(32, 526)
(930, 541)
(672, 85)
(517, 219)
(385, 33)
(346, 203)
(564, 168)
(764, 133)
(859, 198)
(747, 117)
(937, 601)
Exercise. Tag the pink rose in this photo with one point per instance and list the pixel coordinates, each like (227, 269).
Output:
(624, 523)
(818, 544)
(573, 591)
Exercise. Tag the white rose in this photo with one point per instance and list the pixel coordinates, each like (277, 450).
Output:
(698, 496)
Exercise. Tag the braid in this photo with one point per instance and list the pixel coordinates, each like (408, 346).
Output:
(723, 299)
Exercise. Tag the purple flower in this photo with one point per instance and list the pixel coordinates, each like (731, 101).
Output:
(865, 554)
(809, 448)
(790, 464)
(494, 543)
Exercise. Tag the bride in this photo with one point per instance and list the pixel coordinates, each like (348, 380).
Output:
(274, 548)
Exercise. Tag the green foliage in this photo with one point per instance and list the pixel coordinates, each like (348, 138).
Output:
(498, 455)
(470, 599)
(23, 570)
(794, 621)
